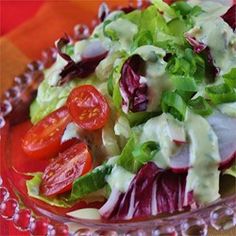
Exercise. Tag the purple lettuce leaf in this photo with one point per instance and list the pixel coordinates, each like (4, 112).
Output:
(133, 91)
(230, 17)
(93, 54)
(152, 191)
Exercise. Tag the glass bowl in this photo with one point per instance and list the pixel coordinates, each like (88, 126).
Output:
(32, 215)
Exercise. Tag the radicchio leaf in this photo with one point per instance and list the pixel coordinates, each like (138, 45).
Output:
(153, 191)
(133, 91)
(230, 17)
(81, 69)
(93, 54)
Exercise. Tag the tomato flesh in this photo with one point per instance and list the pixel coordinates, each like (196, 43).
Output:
(43, 140)
(69, 165)
(88, 107)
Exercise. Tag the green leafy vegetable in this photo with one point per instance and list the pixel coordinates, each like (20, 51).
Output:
(200, 106)
(91, 182)
(184, 83)
(110, 33)
(221, 93)
(69, 49)
(135, 155)
(33, 191)
(230, 78)
(184, 9)
(133, 17)
(164, 7)
(174, 104)
(151, 22)
(145, 152)
(187, 63)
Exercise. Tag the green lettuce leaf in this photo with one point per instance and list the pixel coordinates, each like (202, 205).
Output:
(135, 155)
(91, 182)
(33, 191)
(230, 78)
(165, 8)
(134, 17)
(187, 63)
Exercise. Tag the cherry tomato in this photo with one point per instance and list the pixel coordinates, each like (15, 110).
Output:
(68, 166)
(88, 107)
(43, 140)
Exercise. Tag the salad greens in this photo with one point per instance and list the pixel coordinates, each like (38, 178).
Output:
(166, 78)
(135, 155)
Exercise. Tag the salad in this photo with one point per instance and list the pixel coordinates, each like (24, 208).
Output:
(141, 115)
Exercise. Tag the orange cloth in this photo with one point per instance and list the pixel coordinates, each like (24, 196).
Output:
(54, 18)
(26, 43)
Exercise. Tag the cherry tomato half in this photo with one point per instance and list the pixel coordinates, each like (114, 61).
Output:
(43, 140)
(88, 107)
(68, 166)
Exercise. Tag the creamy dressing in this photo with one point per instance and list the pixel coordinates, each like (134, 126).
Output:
(109, 140)
(203, 176)
(157, 129)
(211, 30)
(125, 31)
(228, 108)
(52, 75)
(216, 7)
(155, 75)
(78, 49)
(122, 127)
(119, 179)
(105, 67)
